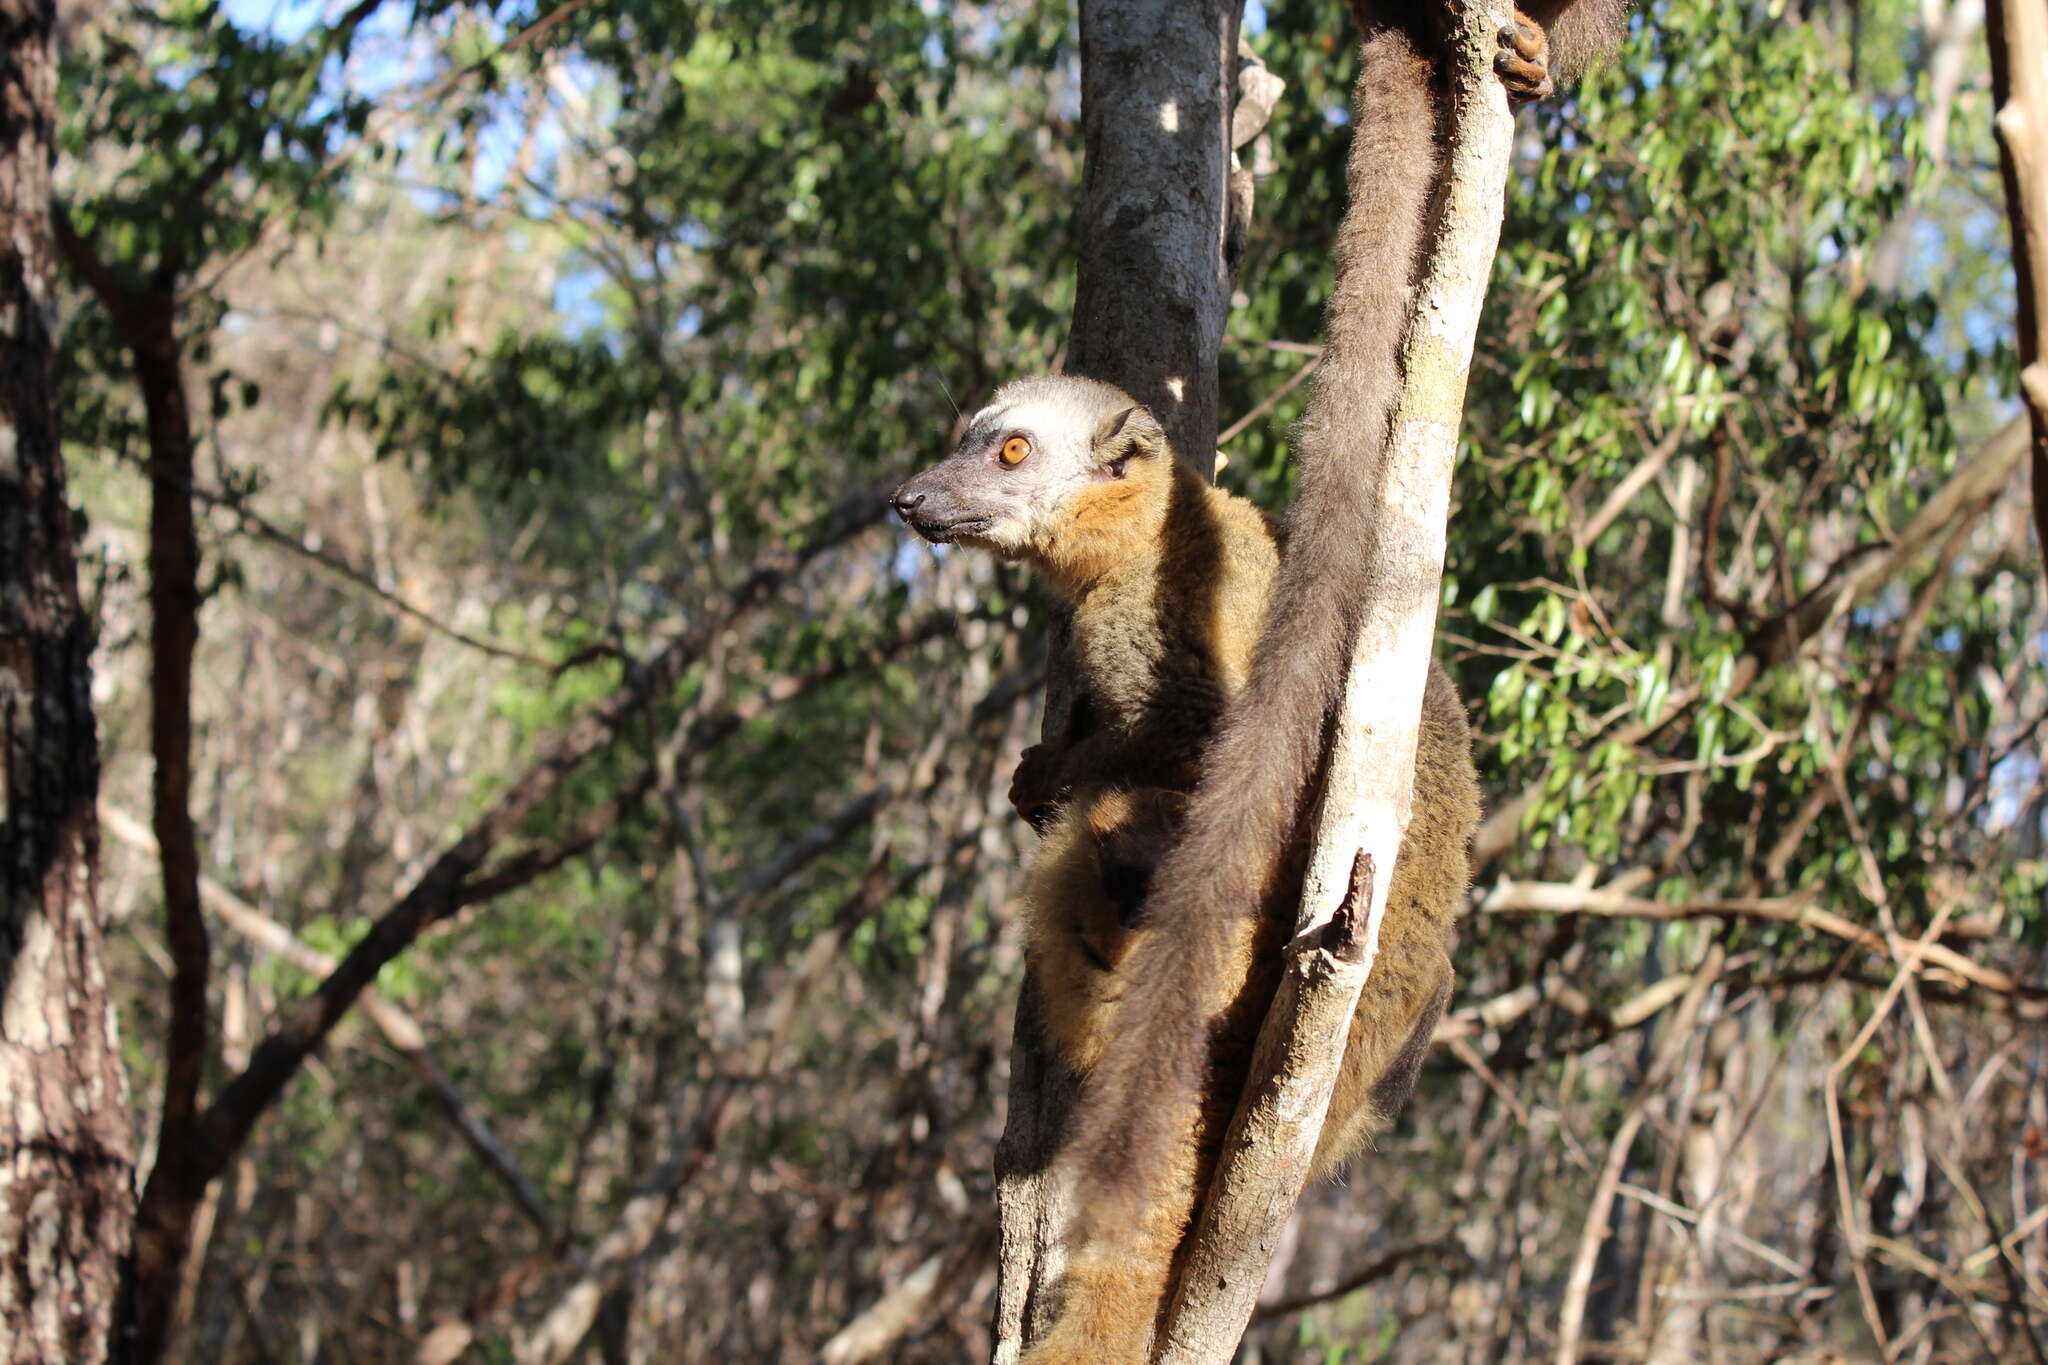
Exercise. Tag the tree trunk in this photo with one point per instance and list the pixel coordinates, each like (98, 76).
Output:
(1153, 288)
(145, 317)
(1157, 264)
(176, 1188)
(66, 1159)
(2018, 31)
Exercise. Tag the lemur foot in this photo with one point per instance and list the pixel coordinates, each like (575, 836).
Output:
(1524, 61)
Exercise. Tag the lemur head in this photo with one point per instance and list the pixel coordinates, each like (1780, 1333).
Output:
(1044, 471)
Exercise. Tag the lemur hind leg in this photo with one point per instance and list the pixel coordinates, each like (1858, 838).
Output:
(1116, 1283)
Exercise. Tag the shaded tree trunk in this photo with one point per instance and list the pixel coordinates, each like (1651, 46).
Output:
(177, 1183)
(66, 1159)
(1153, 287)
(145, 316)
(1161, 224)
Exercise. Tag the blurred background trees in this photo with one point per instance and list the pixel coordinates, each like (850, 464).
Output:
(531, 373)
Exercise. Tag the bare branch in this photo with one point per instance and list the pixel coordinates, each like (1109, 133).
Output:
(909, 1302)
(1557, 898)
(438, 892)
(255, 524)
(1637, 479)
(631, 1232)
(399, 1028)
(1350, 1284)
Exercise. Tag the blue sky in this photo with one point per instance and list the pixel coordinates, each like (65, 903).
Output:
(287, 19)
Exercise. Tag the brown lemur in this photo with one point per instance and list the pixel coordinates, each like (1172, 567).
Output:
(1191, 985)
(1169, 580)
(1167, 576)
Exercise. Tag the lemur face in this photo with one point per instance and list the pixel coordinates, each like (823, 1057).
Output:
(1034, 448)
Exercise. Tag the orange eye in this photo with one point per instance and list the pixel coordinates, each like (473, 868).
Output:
(1014, 451)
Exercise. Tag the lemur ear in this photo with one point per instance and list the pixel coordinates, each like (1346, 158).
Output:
(1133, 423)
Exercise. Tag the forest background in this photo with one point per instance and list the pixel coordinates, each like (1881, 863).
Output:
(535, 371)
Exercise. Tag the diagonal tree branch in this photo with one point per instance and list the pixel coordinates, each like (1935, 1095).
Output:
(707, 732)
(438, 892)
(451, 1337)
(564, 1326)
(398, 1026)
(909, 1303)
(175, 1191)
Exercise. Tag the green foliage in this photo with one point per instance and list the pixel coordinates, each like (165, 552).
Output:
(197, 134)
(795, 222)
(1692, 278)
(1685, 270)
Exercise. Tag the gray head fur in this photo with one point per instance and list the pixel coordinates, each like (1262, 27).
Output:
(1081, 433)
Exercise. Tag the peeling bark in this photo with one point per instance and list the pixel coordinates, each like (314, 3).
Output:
(66, 1150)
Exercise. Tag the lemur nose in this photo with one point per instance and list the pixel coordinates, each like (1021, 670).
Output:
(905, 503)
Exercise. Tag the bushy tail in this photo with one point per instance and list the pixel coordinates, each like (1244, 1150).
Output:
(1142, 1101)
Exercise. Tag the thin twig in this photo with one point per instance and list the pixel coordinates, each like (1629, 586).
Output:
(428, 99)
(1266, 404)
(264, 529)
(1508, 897)
(1571, 1315)
(1370, 1273)
(1625, 492)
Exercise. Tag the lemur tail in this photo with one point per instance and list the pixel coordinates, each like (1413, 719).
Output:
(1142, 1103)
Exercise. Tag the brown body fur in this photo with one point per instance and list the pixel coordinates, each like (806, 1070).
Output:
(1167, 577)
(1091, 967)
(1194, 986)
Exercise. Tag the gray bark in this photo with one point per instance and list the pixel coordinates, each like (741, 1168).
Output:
(66, 1150)
(1154, 283)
